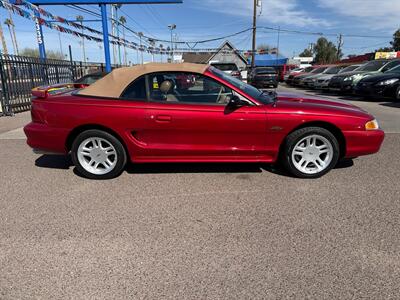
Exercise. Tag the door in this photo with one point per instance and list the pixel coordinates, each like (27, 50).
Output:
(188, 119)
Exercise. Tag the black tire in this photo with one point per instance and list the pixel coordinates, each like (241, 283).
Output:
(397, 96)
(295, 137)
(121, 157)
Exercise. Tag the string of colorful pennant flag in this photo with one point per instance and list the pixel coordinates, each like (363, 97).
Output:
(31, 16)
(114, 39)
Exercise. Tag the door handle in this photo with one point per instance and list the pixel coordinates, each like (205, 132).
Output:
(163, 118)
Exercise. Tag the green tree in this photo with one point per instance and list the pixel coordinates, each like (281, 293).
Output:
(326, 51)
(306, 53)
(31, 52)
(396, 40)
(384, 49)
(265, 48)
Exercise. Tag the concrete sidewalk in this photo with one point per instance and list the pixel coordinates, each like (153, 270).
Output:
(17, 121)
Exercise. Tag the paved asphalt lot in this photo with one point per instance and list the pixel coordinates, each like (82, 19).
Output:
(221, 231)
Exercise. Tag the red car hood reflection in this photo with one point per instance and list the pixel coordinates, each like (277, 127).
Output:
(306, 103)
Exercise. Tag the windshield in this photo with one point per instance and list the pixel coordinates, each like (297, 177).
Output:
(318, 70)
(247, 88)
(332, 70)
(265, 70)
(394, 70)
(349, 68)
(373, 65)
(225, 67)
(308, 69)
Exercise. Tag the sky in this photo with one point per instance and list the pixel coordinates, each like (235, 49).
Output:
(205, 19)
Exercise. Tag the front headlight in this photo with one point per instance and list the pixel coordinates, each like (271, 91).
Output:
(388, 82)
(372, 125)
(348, 78)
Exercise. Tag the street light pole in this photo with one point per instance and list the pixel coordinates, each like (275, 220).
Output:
(171, 28)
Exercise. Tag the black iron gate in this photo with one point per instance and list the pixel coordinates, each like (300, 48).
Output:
(19, 74)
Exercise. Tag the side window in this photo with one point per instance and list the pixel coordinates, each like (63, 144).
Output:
(135, 90)
(187, 88)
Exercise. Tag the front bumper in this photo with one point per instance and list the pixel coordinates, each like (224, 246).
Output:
(374, 90)
(45, 139)
(360, 143)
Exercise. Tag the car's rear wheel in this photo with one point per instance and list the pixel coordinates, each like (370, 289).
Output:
(97, 154)
(310, 152)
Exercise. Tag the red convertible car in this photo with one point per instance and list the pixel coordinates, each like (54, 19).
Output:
(139, 114)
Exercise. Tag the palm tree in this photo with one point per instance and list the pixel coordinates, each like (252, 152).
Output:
(118, 6)
(113, 34)
(3, 40)
(10, 24)
(161, 50)
(13, 30)
(122, 20)
(80, 19)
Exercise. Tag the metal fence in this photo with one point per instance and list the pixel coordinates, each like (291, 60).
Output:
(19, 74)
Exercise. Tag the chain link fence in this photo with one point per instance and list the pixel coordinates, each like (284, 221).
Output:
(19, 74)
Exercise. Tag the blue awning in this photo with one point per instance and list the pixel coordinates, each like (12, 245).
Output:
(268, 60)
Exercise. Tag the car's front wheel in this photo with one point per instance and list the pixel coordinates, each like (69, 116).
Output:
(97, 154)
(398, 94)
(310, 152)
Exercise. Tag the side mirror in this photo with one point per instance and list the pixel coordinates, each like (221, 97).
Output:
(235, 101)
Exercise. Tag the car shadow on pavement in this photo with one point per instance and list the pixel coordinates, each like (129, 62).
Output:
(158, 168)
(65, 163)
(391, 104)
(54, 161)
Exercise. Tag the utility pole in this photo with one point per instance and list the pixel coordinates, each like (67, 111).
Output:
(340, 45)
(253, 47)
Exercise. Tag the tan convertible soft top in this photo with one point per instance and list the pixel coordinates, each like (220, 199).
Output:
(113, 84)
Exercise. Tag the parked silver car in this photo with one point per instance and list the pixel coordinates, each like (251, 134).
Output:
(322, 81)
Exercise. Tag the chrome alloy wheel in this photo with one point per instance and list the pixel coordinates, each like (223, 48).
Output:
(312, 154)
(97, 155)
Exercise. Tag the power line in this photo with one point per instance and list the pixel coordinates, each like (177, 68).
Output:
(324, 34)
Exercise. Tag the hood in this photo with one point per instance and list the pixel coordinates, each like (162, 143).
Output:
(304, 75)
(301, 74)
(381, 77)
(351, 73)
(314, 105)
(312, 76)
(326, 76)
